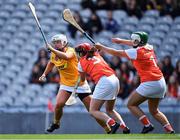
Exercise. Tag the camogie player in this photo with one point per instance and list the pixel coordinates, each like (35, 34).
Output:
(64, 59)
(106, 89)
(152, 87)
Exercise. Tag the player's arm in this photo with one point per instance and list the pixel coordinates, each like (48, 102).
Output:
(112, 51)
(62, 55)
(48, 68)
(122, 41)
(82, 76)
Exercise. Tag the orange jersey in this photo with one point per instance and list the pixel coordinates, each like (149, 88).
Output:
(68, 70)
(145, 64)
(95, 67)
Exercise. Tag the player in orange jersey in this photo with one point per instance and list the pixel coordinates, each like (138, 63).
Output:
(107, 86)
(65, 60)
(152, 87)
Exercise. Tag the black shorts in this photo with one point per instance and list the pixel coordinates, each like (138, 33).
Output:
(81, 95)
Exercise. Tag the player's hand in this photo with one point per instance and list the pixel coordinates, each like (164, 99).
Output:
(116, 40)
(49, 47)
(98, 45)
(93, 49)
(42, 78)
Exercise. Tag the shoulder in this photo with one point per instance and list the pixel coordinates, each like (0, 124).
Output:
(52, 55)
(71, 52)
(131, 53)
(149, 47)
(146, 47)
(70, 49)
(83, 60)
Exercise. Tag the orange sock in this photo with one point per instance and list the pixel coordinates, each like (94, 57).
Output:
(110, 122)
(168, 128)
(144, 120)
(122, 123)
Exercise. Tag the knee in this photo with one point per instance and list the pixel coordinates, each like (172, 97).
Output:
(59, 105)
(129, 105)
(153, 112)
(91, 111)
(109, 111)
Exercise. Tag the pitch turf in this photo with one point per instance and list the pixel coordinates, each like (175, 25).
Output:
(91, 136)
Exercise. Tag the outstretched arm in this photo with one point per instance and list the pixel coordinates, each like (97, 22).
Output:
(49, 67)
(122, 41)
(112, 51)
(60, 54)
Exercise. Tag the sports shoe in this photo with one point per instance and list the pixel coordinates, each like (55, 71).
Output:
(109, 132)
(147, 129)
(52, 127)
(114, 128)
(126, 130)
(172, 132)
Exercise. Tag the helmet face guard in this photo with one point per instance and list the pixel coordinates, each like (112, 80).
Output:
(84, 49)
(139, 38)
(136, 39)
(80, 51)
(59, 38)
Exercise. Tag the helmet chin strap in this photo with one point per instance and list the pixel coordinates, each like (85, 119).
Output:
(64, 47)
(135, 46)
(138, 45)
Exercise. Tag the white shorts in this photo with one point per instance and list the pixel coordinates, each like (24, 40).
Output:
(81, 89)
(107, 88)
(152, 89)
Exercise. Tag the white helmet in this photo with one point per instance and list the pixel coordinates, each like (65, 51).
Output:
(60, 37)
(136, 39)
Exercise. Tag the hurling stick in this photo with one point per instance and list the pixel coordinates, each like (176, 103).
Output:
(68, 17)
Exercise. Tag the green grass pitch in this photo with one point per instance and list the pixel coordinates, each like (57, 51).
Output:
(90, 136)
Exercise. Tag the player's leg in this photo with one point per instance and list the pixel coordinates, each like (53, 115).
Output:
(106, 89)
(158, 115)
(95, 106)
(133, 105)
(94, 110)
(86, 99)
(134, 101)
(61, 99)
(116, 116)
